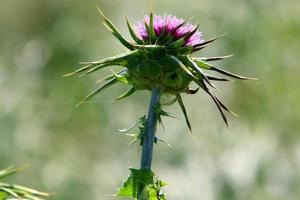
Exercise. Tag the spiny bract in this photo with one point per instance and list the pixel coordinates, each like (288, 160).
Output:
(161, 55)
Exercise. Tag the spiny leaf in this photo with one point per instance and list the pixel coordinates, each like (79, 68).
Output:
(219, 108)
(115, 31)
(189, 62)
(214, 78)
(209, 41)
(178, 43)
(182, 66)
(226, 108)
(95, 65)
(186, 49)
(121, 77)
(118, 59)
(95, 68)
(129, 92)
(17, 191)
(180, 102)
(222, 71)
(132, 33)
(157, 139)
(99, 89)
(208, 66)
(204, 87)
(202, 64)
(215, 58)
(106, 78)
(152, 35)
(141, 120)
(142, 184)
(150, 48)
(135, 183)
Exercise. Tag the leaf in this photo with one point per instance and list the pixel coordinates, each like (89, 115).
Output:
(129, 92)
(225, 107)
(95, 68)
(8, 171)
(96, 65)
(215, 58)
(208, 66)
(214, 78)
(204, 87)
(20, 192)
(180, 102)
(106, 78)
(209, 41)
(151, 48)
(178, 43)
(143, 185)
(152, 35)
(202, 64)
(121, 77)
(231, 74)
(99, 89)
(189, 62)
(115, 31)
(132, 33)
(182, 66)
(138, 179)
(141, 120)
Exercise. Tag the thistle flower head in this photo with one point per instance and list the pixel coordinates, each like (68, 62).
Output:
(168, 29)
(161, 55)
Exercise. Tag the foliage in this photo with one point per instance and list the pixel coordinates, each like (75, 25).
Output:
(142, 184)
(12, 191)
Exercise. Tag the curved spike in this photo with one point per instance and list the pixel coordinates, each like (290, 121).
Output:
(95, 65)
(183, 67)
(215, 58)
(152, 35)
(195, 67)
(132, 33)
(112, 76)
(95, 68)
(134, 124)
(99, 89)
(209, 41)
(181, 41)
(219, 106)
(115, 31)
(222, 71)
(106, 78)
(129, 92)
(180, 102)
(120, 76)
(214, 78)
(208, 66)
(225, 107)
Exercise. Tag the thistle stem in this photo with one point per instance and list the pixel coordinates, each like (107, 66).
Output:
(149, 135)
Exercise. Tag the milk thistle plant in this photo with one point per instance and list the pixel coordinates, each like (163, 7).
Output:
(160, 59)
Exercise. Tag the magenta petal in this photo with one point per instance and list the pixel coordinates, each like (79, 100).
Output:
(169, 24)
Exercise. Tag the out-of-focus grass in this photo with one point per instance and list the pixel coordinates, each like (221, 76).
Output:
(77, 154)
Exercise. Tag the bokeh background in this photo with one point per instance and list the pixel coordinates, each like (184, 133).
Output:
(76, 152)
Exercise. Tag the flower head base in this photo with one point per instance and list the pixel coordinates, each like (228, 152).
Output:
(161, 55)
(168, 29)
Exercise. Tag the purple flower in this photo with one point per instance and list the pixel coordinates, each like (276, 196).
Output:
(168, 29)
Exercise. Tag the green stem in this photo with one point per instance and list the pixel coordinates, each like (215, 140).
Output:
(149, 135)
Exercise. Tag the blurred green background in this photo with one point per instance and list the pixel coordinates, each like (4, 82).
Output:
(76, 152)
